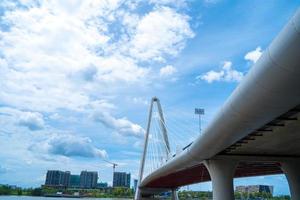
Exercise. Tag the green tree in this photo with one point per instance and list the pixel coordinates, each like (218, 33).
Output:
(5, 190)
(36, 192)
(19, 192)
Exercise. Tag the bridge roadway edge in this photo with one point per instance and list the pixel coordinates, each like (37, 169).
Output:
(270, 89)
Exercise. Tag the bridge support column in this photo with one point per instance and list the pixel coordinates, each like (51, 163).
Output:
(137, 195)
(292, 173)
(174, 194)
(221, 174)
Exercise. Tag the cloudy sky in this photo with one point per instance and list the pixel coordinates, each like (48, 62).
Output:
(76, 77)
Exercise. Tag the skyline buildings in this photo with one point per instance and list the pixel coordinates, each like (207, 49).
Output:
(88, 179)
(57, 178)
(255, 188)
(121, 179)
(74, 181)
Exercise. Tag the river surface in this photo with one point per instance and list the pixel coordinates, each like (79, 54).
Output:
(51, 198)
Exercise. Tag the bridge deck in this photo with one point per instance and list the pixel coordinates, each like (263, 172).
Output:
(281, 133)
(199, 173)
(258, 119)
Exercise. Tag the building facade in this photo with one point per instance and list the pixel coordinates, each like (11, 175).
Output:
(88, 179)
(135, 182)
(75, 181)
(57, 178)
(255, 188)
(121, 179)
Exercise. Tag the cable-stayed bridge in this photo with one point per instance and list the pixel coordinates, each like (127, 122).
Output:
(256, 132)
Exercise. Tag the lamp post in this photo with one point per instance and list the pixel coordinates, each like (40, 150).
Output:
(199, 111)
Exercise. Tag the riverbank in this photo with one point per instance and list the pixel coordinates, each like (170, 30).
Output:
(112, 193)
(94, 193)
(52, 198)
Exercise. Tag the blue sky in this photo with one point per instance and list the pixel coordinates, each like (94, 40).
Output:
(76, 77)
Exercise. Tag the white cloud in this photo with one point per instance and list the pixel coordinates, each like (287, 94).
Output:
(177, 3)
(31, 120)
(140, 100)
(130, 21)
(55, 116)
(102, 105)
(254, 55)
(65, 59)
(225, 74)
(56, 54)
(138, 144)
(69, 146)
(168, 70)
(121, 125)
(160, 33)
(101, 112)
(212, 76)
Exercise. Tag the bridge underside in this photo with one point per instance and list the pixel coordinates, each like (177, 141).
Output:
(247, 137)
(199, 173)
(259, 153)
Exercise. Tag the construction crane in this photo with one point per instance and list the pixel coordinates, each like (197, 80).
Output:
(113, 164)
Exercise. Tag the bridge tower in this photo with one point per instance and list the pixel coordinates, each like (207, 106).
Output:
(154, 101)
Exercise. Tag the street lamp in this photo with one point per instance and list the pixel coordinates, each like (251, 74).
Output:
(199, 111)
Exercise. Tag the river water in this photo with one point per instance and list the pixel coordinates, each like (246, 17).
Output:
(50, 198)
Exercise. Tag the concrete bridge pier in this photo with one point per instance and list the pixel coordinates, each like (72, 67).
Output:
(292, 173)
(174, 194)
(221, 174)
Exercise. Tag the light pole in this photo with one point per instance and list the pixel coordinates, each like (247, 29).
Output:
(199, 111)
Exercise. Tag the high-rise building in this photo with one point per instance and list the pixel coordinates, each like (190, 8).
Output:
(121, 179)
(75, 181)
(255, 188)
(135, 182)
(57, 178)
(128, 180)
(88, 179)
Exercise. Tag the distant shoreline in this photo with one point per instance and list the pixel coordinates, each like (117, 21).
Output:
(63, 197)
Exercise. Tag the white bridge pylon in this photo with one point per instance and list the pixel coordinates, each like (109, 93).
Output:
(159, 136)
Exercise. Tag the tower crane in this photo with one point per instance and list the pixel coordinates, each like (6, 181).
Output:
(113, 164)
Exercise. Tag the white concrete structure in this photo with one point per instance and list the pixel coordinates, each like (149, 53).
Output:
(222, 173)
(264, 102)
(174, 195)
(292, 172)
